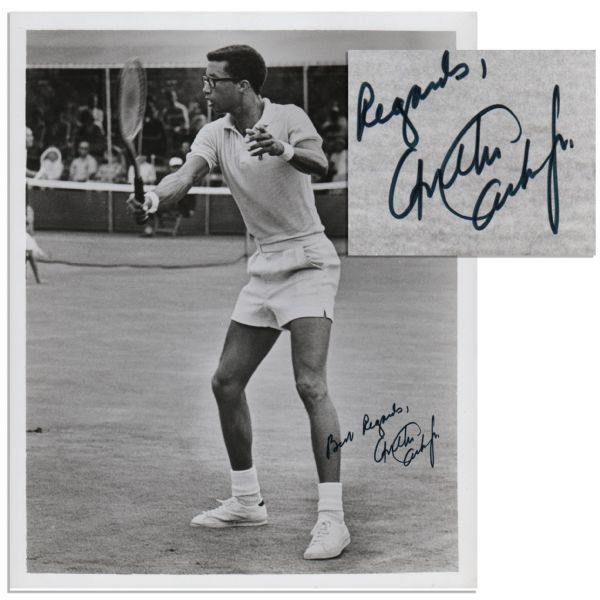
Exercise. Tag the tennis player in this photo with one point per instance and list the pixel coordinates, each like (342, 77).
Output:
(267, 153)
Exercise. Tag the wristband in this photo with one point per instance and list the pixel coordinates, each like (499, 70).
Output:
(288, 151)
(151, 202)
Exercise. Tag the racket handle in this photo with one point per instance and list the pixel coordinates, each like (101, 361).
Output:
(138, 187)
(138, 190)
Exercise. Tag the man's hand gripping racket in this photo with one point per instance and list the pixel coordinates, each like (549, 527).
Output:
(132, 107)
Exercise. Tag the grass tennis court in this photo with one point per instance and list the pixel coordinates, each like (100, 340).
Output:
(119, 363)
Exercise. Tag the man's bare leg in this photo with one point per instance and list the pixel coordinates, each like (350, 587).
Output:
(310, 345)
(244, 349)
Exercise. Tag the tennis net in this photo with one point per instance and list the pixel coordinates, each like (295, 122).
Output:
(86, 224)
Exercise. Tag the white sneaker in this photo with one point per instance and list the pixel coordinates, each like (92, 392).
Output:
(232, 513)
(328, 541)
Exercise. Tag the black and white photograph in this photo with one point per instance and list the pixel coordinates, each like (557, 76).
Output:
(211, 386)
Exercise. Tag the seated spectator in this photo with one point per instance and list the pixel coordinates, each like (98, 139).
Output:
(174, 164)
(338, 159)
(97, 112)
(183, 150)
(155, 139)
(194, 108)
(196, 124)
(36, 120)
(51, 165)
(113, 167)
(197, 118)
(59, 133)
(91, 133)
(84, 167)
(336, 125)
(176, 119)
(185, 207)
(30, 167)
(146, 169)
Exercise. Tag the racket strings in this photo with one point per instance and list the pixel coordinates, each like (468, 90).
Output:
(132, 99)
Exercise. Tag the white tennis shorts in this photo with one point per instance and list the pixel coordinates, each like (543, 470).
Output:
(289, 279)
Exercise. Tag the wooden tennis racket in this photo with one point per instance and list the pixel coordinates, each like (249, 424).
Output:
(132, 108)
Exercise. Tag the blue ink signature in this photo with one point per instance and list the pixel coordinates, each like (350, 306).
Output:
(463, 158)
(476, 160)
(401, 106)
(409, 442)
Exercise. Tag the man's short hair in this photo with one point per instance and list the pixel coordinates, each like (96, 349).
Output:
(243, 62)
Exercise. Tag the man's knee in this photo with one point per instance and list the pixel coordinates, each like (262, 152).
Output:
(312, 389)
(226, 388)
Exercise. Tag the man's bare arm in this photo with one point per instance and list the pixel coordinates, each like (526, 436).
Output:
(310, 158)
(176, 185)
(169, 191)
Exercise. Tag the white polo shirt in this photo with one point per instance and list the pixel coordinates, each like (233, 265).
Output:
(275, 199)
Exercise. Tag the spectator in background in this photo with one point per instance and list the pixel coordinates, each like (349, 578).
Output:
(59, 132)
(113, 167)
(194, 109)
(93, 107)
(38, 126)
(154, 140)
(146, 169)
(336, 126)
(176, 119)
(84, 167)
(338, 159)
(29, 213)
(97, 112)
(197, 123)
(183, 150)
(31, 164)
(185, 207)
(174, 164)
(91, 133)
(51, 165)
(197, 118)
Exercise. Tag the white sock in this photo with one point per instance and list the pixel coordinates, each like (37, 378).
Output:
(244, 486)
(330, 501)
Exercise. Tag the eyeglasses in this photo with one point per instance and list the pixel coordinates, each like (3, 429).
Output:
(212, 81)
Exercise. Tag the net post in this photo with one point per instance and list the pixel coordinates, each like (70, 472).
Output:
(207, 214)
(109, 150)
(305, 88)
